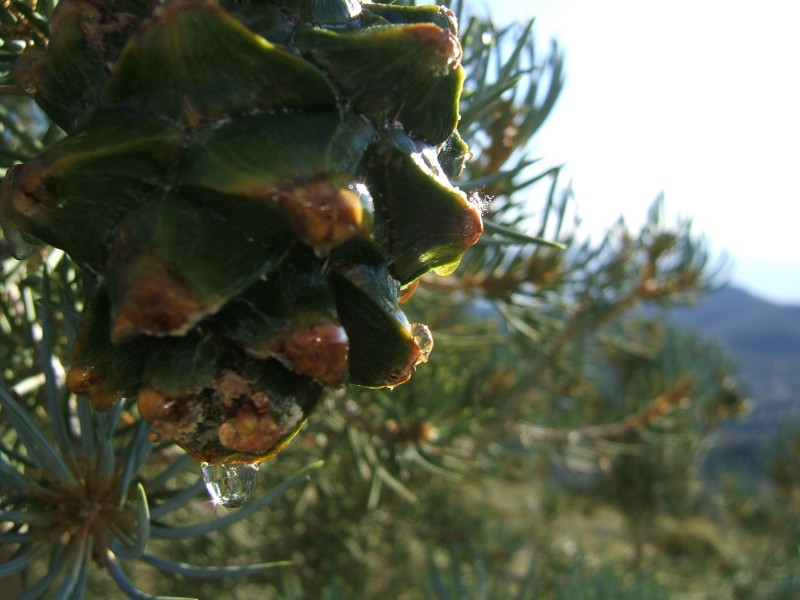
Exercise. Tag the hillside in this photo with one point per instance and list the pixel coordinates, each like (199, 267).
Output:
(764, 340)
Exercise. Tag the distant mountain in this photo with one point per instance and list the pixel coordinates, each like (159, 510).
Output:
(751, 327)
(764, 340)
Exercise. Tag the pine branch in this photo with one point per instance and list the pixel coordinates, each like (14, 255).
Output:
(671, 400)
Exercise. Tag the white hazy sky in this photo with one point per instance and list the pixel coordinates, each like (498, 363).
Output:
(700, 99)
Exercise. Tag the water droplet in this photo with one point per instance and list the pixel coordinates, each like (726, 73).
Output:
(230, 485)
(424, 340)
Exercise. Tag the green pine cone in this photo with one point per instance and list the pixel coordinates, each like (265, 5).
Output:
(248, 184)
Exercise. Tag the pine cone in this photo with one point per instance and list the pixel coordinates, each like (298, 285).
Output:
(246, 187)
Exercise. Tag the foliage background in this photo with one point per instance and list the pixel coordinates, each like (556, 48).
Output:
(550, 449)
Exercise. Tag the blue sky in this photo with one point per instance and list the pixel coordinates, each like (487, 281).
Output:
(698, 99)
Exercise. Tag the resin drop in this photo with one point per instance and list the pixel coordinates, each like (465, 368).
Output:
(230, 485)
(19, 246)
(407, 291)
(424, 340)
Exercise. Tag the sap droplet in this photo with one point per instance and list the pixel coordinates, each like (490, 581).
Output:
(230, 485)
(424, 340)
(407, 291)
(447, 269)
(363, 196)
(20, 247)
